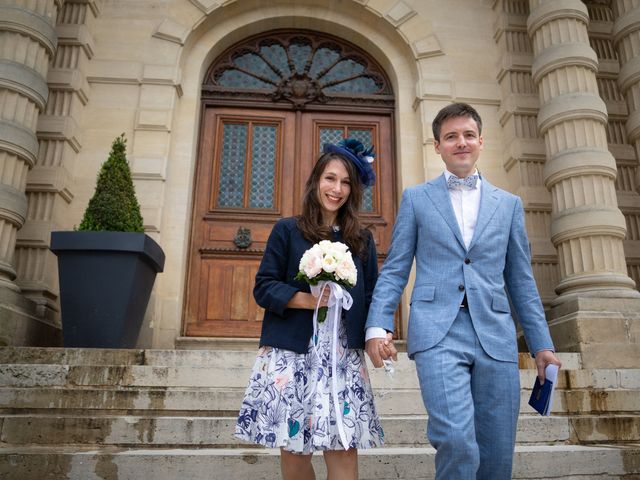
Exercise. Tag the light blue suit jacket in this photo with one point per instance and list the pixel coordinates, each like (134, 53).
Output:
(495, 272)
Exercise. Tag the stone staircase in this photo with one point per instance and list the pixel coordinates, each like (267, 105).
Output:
(166, 414)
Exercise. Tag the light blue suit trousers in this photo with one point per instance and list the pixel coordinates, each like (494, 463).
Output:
(469, 397)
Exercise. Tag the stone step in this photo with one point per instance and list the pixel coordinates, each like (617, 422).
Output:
(213, 400)
(605, 428)
(71, 356)
(146, 431)
(178, 358)
(115, 463)
(229, 375)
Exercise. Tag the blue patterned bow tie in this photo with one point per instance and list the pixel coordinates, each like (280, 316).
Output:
(469, 181)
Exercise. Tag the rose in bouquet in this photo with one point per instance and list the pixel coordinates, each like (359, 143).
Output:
(329, 262)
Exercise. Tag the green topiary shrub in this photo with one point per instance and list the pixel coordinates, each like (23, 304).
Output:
(114, 206)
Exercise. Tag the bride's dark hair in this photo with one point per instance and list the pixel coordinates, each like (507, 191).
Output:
(310, 222)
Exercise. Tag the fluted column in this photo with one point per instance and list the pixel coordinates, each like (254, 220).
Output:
(524, 154)
(50, 185)
(27, 44)
(587, 226)
(626, 37)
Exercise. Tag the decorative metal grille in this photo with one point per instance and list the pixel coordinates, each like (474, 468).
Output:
(263, 166)
(300, 69)
(234, 162)
(232, 165)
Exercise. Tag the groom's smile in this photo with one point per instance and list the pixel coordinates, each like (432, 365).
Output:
(459, 145)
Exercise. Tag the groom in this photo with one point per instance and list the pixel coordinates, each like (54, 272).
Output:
(471, 251)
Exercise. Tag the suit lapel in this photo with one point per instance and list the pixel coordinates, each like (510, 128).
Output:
(488, 204)
(437, 191)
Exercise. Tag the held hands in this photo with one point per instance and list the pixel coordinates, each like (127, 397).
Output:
(380, 349)
(544, 358)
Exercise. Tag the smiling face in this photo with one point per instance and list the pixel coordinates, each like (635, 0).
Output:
(334, 188)
(459, 145)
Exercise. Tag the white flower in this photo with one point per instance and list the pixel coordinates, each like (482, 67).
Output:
(311, 262)
(339, 247)
(369, 159)
(329, 264)
(346, 270)
(324, 246)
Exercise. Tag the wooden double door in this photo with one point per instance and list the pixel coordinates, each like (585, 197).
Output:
(251, 171)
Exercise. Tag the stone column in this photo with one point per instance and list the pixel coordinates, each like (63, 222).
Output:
(524, 153)
(50, 185)
(587, 226)
(27, 44)
(626, 37)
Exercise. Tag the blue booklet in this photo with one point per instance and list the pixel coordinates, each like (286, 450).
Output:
(542, 395)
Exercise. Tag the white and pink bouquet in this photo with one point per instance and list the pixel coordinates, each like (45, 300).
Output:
(327, 262)
(329, 265)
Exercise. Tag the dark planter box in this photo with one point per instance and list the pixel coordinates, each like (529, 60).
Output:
(105, 284)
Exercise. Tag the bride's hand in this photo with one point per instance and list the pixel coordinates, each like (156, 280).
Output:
(308, 301)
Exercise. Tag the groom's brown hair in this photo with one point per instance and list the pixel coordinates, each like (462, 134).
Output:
(453, 111)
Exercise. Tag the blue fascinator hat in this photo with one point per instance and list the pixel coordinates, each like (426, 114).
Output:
(361, 157)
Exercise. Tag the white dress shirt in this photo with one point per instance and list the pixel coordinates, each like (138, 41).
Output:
(466, 203)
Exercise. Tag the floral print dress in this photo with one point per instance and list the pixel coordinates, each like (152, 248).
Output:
(289, 401)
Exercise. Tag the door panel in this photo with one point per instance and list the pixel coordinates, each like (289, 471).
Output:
(244, 169)
(251, 171)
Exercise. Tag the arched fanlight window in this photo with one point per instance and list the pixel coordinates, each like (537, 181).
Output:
(298, 69)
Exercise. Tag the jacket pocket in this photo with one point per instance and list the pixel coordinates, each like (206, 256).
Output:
(500, 302)
(424, 293)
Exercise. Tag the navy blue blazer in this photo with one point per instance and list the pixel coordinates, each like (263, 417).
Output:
(291, 328)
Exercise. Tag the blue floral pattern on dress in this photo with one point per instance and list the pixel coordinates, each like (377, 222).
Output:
(288, 402)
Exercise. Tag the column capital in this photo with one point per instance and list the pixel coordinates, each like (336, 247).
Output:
(629, 74)
(587, 220)
(561, 56)
(547, 11)
(26, 81)
(571, 106)
(27, 22)
(579, 161)
(626, 24)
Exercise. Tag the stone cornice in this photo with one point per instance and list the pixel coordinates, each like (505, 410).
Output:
(52, 180)
(69, 80)
(78, 35)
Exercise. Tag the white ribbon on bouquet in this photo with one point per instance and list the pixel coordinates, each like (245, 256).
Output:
(338, 299)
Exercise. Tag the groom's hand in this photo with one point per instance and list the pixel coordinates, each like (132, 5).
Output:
(380, 349)
(544, 358)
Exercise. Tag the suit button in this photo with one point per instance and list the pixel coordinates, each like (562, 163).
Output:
(461, 287)
(467, 261)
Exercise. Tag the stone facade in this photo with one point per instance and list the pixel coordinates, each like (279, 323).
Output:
(555, 80)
